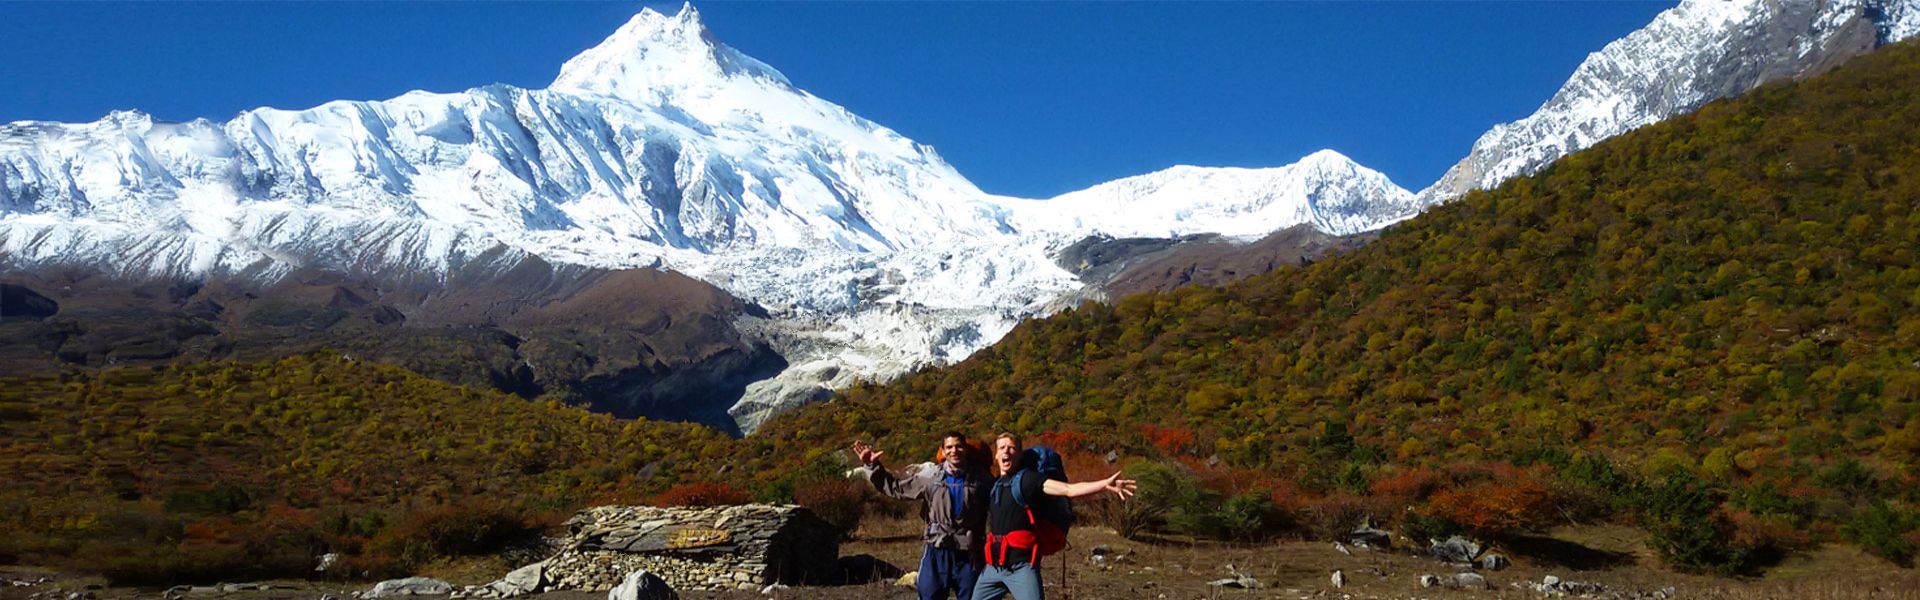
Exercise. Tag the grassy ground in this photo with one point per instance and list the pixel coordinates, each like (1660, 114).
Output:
(1613, 557)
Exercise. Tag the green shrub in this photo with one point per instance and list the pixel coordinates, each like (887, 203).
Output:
(1685, 527)
(1422, 527)
(1251, 516)
(1882, 531)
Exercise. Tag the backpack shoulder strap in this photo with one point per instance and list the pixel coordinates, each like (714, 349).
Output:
(1018, 477)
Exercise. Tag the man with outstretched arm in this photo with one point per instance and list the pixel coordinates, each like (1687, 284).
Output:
(1014, 570)
(954, 495)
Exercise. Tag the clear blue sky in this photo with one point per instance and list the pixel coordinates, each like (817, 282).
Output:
(1025, 99)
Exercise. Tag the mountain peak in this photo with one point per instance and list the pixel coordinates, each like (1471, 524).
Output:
(1328, 159)
(655, 52)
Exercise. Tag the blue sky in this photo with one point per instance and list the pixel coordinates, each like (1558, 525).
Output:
(1028, 99)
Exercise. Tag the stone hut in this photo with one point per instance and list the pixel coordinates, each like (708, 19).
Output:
(724, 547)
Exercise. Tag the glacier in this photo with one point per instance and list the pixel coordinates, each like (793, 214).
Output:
(659, 147)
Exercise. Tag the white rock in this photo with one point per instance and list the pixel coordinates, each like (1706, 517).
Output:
(410, 586)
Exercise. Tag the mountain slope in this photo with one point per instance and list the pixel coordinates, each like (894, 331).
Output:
(1732, 291)
(1697, 52)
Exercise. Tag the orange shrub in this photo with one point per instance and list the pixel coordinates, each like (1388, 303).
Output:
(1408, 485)
(1497, 508)
(467, 528)
(700, 494)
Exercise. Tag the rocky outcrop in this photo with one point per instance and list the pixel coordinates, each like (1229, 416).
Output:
(730, 547)
(1122, 267)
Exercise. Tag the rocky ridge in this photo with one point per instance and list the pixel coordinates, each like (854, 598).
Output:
(1698, 52)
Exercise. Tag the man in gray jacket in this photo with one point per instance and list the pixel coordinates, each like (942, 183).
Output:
(953, 491)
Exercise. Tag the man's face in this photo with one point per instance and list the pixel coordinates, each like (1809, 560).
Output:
(955, 449)
(1004, 451)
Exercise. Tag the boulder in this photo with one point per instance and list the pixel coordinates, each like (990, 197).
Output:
(530, 579)
(1232, 582)
(410, 586)
(1427, 581)
(1368, 537)
(1471, 581)
(1339, 579)
(641, 585)
(1494, 562)
(1455, 550)
(326, 562)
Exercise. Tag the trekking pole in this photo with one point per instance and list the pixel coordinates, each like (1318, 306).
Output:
(1064, 561)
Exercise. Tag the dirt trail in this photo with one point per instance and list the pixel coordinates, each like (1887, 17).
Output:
(1174, 569)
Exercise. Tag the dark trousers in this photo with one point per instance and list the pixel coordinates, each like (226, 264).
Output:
(946, 569)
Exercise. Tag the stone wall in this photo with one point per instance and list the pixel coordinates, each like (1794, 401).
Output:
(727, 547)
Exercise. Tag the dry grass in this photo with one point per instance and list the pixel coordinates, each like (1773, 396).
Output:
(1179, 569)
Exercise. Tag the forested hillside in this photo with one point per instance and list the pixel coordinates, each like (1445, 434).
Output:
(1731, 297)
(156, 474)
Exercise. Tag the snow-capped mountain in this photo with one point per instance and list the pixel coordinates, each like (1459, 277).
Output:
(662, 147)
(1697, 52)
(1325, 189)
(658, 147)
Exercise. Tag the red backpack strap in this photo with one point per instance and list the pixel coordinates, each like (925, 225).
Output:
(1034, 552)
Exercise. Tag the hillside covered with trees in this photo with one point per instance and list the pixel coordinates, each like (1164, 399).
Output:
(154, 474)
(1727, 303)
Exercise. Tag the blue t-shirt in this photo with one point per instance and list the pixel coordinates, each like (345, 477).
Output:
(956, 489)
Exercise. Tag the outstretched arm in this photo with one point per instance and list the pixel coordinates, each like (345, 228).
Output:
(882, 480)
(1113, 483)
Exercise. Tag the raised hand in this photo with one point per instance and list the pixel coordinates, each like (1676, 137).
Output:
(866, 453)
(1120, 487)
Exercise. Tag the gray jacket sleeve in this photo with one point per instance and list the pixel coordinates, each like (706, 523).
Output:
(910, 488)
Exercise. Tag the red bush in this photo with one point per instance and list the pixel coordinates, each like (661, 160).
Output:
(1062, 441)
(1169, 440)
(1408, 485)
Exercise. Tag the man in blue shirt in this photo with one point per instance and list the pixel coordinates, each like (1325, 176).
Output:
(953, 492)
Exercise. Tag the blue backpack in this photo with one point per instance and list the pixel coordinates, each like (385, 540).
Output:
(1051, 516)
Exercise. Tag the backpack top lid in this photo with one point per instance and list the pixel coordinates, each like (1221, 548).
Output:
(1044, 460)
